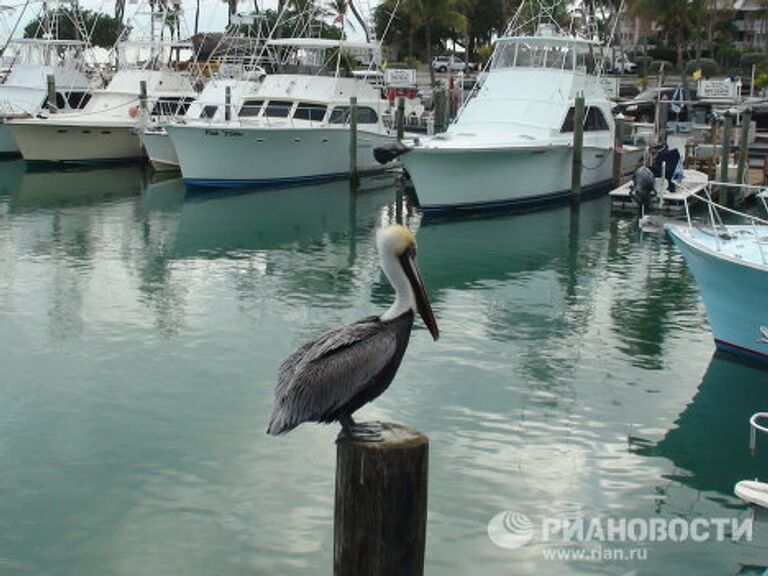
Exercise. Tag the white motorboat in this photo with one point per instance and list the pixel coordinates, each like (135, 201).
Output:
(293, 129)
(238, 61)
(106, 129)
(210, 106)
(512, 143)
(730, 265)
(25, 91)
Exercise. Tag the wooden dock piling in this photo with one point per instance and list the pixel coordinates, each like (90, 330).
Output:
(227, 103)
(725, 153)
(618, 145)
(50, 80)
(578, 144)
(746, 121)
(400, 118)
(441, 110)
(143, 98)
(380, 519)
(354, 180)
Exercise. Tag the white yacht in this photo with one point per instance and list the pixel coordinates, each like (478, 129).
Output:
(106, 129)
(512, 143)
(237, 60)
(24, 93)
(210, 106)
(293, 129)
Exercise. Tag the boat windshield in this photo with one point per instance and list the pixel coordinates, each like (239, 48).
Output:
(520, 53)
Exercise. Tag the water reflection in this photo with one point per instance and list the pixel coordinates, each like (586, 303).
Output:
(11, 173)
(654, 288)
(51, 189)
(709, 443)
(308, 237)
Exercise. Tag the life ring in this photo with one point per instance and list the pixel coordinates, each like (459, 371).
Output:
(133, 112)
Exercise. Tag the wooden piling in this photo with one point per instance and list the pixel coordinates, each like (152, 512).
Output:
(746, 121)
(618, 145)
(143, 98)
(441, 113)
(380, 519)
(354, 180)
(400, 118)
(227, 103)
(50, 80)
(725, 152)
(578, 145)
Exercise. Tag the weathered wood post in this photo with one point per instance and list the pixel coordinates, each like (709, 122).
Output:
(143, 98)
(354, 180)
(441, 112)
(578, 144)
(618, 146)
(746, 121)
(227, 103)
(50, 80)
(725, 153)
(400, 118)
(380, 520)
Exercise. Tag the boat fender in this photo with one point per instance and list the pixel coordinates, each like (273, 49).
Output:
(385, 153)
(133, 112)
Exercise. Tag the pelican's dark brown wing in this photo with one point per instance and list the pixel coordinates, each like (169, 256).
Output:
(339, 372)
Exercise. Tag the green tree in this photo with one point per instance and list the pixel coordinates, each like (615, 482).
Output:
(105, 29)
(429, 14)
(485, 20)
(676, 19)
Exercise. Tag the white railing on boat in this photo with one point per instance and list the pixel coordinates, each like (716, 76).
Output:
(754, 427)
(714, 210)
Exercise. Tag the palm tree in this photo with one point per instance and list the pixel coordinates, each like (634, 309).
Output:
(428, 13)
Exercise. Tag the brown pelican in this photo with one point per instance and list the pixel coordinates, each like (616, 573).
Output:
(328, 379)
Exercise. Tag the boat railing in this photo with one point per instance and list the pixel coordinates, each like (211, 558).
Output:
(715, 209)
(754, 427)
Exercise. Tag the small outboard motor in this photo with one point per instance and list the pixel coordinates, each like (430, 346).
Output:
(642, 190)
(385, 153)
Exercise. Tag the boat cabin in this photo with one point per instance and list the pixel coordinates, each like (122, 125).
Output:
(550, 52)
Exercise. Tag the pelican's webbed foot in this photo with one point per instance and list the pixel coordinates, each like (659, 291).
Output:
(361, 431)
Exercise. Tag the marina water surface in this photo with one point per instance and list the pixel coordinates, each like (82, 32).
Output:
(141, 331)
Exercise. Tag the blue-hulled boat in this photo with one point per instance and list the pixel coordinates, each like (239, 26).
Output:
(730, 264)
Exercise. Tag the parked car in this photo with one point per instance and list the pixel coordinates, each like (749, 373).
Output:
(623, 65)
(643, 106)
(449, 63)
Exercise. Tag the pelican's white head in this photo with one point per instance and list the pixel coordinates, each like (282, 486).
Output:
(397, 251)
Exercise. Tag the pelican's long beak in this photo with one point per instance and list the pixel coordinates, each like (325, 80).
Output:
(411, 268)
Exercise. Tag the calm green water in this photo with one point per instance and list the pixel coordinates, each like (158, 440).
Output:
(141, 333)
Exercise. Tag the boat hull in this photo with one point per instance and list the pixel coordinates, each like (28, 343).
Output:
(473, 180)
(734, 296)
(245, 157)
(76, 143)
(8, 146)
(160, 151)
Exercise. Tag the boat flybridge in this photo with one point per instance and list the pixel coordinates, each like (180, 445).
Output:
(106, 128)
(512, 142)
(238, 62)
(31, 61)
(294, 128)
